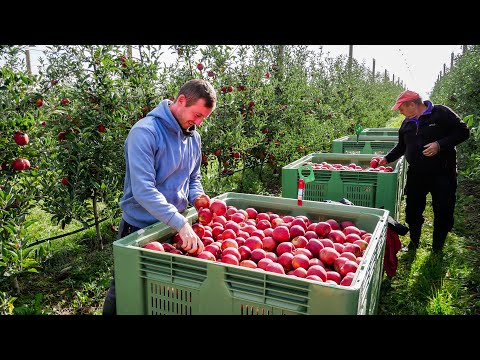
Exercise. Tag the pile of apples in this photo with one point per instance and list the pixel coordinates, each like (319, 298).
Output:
(324, 165)
(327, 251)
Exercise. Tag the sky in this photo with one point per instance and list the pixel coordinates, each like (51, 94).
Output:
(417, 66)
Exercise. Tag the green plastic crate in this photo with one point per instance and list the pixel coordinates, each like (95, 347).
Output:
(363, 188)
(157, 283)
(365, 144)
(380, 132)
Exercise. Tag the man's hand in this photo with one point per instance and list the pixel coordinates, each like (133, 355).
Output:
(431, 149)
(191, 243)
(383, 161)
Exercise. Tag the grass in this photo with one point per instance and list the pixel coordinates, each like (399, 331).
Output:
(446, 284)
(75, 278)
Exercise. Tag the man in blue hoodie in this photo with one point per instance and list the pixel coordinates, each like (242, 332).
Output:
(163, 157)
(428, 137)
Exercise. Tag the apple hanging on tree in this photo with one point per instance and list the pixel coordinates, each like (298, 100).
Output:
(21, 138)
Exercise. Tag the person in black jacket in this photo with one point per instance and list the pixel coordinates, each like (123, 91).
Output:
(428, 137)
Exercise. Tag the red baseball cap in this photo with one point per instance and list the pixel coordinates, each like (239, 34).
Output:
(407, 95)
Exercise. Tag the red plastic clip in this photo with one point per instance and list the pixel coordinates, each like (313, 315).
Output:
(301, 191)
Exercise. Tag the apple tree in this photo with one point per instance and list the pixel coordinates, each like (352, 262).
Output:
(103, 93)
(21, 103)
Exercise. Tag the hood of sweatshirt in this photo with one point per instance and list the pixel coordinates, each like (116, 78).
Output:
(163, 113)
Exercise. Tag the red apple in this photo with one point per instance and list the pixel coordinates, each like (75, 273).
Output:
(281, 234)
(362, 243)
(207, 255)
(335, 276)
(201, 201)
(333, 223)
(311, 234)
(314, 245)
(339, 247)
(233, 251)
(252, 212)
(154, 245)
(167, 247)
(300, 260)
(238, 217)
(21, 138)
(277, 221)
(262, 263)
(353, 248)
(230, 259)
(20, 164)
(248, 263)
(328, 255)
(316, 261)
(345, 224)
(296, 230)
(213, 248)
(314, 277)
(275, 267)
(326, 242)
(299, 272)
(299, 241)
(253, 242)
(262, 216)
(258, 254)
(269, 244)
(347, 279)
(271, 255)
(352, 230)
(348, 266)
(322, 229)
(303, 251)
(348, 255)
(337, 236)
(285, 260)
(205, 216)
(318, 271)
(198, 229)
(284, 247)
(228, 243)
(218, 207)
(299, 221)
(264, 224)
(338, 263)
(350, 238)
(245, 252)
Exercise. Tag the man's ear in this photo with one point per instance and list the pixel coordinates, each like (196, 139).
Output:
(182, 100)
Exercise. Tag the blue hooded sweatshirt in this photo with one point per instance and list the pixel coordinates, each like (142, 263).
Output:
(162, 170)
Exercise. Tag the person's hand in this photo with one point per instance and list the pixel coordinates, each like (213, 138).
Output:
(383, 161)
(191, 243)
(431, 149)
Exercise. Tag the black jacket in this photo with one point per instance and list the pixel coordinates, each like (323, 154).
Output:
(438, 123)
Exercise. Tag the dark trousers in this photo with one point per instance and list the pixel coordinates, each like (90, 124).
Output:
(443, 190)
(109, 305)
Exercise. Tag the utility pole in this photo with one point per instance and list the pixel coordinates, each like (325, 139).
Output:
(373, 70)
(350, 56)
(27, 59)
